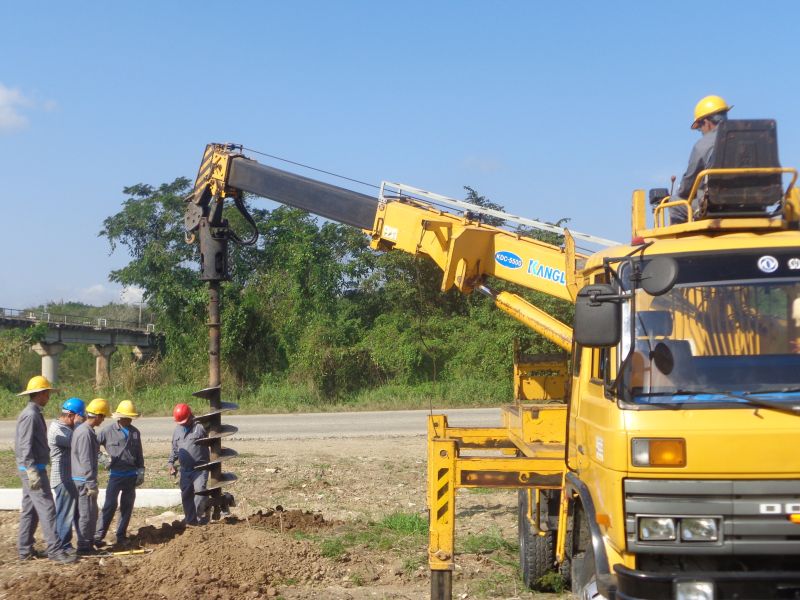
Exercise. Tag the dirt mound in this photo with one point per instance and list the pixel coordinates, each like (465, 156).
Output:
(289, 520)
(224, 561)
(150, 535)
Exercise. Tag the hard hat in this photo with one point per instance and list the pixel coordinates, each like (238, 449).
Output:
(74, 405)
(36, 384)
(125, 410)
(98, 406)
(182, 413)
(710, 105)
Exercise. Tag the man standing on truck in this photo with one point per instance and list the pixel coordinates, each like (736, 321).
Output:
(84, 472)
(708, 114)
(33, 456)
(59, 438)
(123, 442)
(189, 453)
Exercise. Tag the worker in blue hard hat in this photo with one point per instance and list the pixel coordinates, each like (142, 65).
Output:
(59, 439)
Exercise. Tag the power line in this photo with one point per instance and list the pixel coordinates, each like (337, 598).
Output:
(291, 162)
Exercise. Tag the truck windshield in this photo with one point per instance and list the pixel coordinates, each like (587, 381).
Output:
(727, 333)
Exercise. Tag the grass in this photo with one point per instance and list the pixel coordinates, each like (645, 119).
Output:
(283, 397)
(485, 543)
(403, 533)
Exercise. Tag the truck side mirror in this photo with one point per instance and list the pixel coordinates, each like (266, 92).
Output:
(660, 275)
(598, 316)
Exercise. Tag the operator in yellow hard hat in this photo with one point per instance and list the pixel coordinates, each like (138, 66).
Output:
(123, 442)
(708, 114)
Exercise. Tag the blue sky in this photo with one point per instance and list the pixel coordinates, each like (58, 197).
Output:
(554, 109)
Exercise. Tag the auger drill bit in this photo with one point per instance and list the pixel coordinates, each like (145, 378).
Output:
(214, 268)
(204, 221)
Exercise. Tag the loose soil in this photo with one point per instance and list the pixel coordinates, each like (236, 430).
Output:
(332, 489)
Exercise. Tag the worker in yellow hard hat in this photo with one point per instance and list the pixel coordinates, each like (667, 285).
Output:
(123, 442)
(84, 472)
(33, 457)
(708, 114)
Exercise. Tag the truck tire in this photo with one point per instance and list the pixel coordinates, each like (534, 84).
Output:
(537, 553)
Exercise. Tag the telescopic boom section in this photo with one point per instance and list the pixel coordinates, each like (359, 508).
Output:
(465, 249)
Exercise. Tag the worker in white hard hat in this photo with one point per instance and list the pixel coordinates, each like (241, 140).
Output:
(33, 456)
(123, 442)
(708, 114)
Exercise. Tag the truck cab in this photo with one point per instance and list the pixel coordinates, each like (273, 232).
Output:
(685, 398)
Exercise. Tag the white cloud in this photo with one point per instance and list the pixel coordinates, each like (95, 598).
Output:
(14, 103)
(483, 164)
(11, 101)
(97, 294)
(131, 294)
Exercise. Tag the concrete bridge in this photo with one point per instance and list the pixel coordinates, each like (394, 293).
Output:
(100, 334)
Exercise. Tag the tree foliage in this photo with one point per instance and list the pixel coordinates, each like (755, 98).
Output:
(311, 303)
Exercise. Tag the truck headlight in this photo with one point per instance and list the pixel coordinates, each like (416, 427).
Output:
(654, 529)
(694, 590)
(699, 530)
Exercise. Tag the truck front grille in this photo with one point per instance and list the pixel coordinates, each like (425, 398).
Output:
(754, 515)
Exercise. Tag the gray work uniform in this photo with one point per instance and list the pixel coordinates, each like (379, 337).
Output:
(84, 473)
(30, 449)
(59, 439)
(125, 449)
(699, 160)
(189, 453)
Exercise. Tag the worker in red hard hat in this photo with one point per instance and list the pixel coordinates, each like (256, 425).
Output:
(189, 452)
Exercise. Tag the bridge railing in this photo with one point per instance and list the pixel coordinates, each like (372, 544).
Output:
(79, 320)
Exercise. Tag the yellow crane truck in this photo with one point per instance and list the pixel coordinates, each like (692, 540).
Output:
(659, 457)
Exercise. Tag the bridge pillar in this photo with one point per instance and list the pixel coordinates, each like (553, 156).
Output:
(102, 370)
(49, 354)
(143, 353)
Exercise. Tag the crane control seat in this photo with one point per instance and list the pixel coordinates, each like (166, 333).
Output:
(659, 363)
(743, 144)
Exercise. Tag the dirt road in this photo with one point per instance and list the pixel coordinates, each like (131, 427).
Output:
(353, 528)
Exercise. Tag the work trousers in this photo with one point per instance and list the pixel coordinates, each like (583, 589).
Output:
(123, 488)
(37, 507)
(194, 505)
(87, 517)
(66, 496)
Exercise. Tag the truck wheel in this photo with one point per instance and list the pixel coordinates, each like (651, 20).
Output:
(537, 553)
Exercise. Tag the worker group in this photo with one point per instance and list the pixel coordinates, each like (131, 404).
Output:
(70, 448)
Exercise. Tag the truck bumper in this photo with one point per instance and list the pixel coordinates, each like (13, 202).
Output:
(652, 585)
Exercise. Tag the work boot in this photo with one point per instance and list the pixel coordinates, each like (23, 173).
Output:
(64, 558)
(34, 554)
(99, 544)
